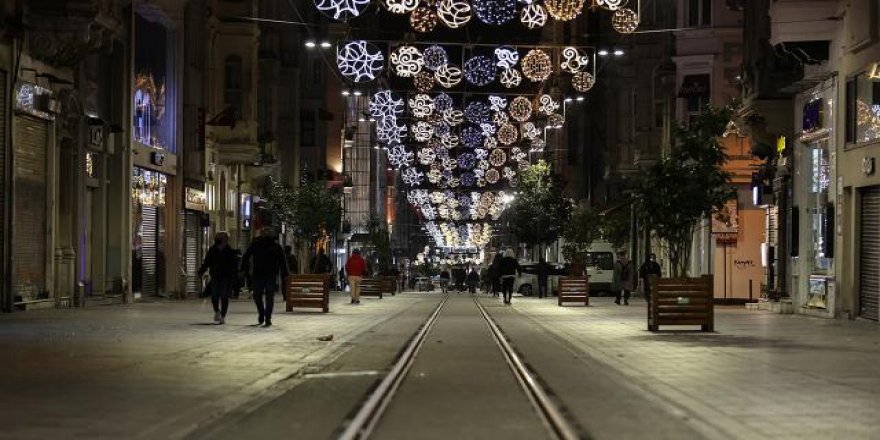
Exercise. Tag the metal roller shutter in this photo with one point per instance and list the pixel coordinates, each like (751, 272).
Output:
(193, 257)
(869, 254)
(150, 225)
(29, 241)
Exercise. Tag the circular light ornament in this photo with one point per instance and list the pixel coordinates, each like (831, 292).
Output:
(466, 161)
(448, 76)
(611, 5)
(516, 154)
(412, 177)
(422, 131)
(573, 60)
(434, 176)
(490, 142)
(342, 10)
(507, 134)
(564, 10)
(495, 12)
(479, 70)
(533, 16)
(442, 102)
(423, 19)
(506, 57)
(471, 136)
(625, 20)
(477, 112)
(423, 81)
(536, 65)
(399, 156)
(500, 118)
(547, 105)
(359, 61)
(449, 164)
(427, 156)
(434, 57)
(492, 175)
(497, 103)
(454, 13)
(537, 144)
(510, 78)
(529, 130)
(468, 179)
(401, 6)
(384, 104)
(441, 128)
(389, 132)
(555, 120)
(453, 117)
(421, 105)
(407, 61)
(582, 81)
(520, 109)
(449, 141)
(497, 157)
(481, 153)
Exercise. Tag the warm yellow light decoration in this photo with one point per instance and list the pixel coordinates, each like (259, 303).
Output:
(555, 120)
(507, 134)
(536, 65)
(520, 109)
(625, 20)
(497, 158)
(423, 19)
(582, 81)
(423, 81)
(564, 10)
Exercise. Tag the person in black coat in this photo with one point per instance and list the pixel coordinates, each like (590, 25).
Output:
(542, 272)
(509, 269)
(473, 278)
(222, 263)
(267, 258)
(494, 273)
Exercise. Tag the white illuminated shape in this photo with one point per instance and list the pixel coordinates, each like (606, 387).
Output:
(625, 20)
(412, 177)
(510, 78)
(520, 109)
(407, 61)
(399, 156)
(454, 13)
(383, 105)
(359, 61)
(582, 81)
(422, 131)
(401, 6)
(448, 76)
(547, 105)
(421, 105)
(573, 61)
(342, 10)
(611, 5)
(533, 16)
(506, 57)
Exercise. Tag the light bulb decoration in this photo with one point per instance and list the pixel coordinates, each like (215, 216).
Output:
(384, 104)
(555, 120)
(564, 10)
(399, 156)
(497, 103)
(547, 105)
(466, 161)
(388, 131)
(497, 157)
(533, 16)
(493, 176)
(582, 81)
(516, 154)
(448, 75)
(407, 61)
(500, 117)
(453, 117)
(573, 60)
(359, 61)
(480, 70)
(434, 57)
(507, 134)
(449, 141)
(427, 156)
(401, 6)
(454, 13)
(490, 142)
(495, 12)
(529, 131)
(423, 81)
(488, 129)
(471, 136)
(510, 78)
(412, 177)
(421, 105)
(481, 153)
(477, 112)
(423, 19)
(611, 5)
(536, 65)
(625, 20)
(342, 10)
(422, 131)
(520, 109)
(506, 57)
(442, 102)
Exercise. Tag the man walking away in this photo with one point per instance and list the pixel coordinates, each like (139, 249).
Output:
(321, 263)
(472, 279)
(267, 258)
(542, 271)
(624, 277)
(444, 279)
(649, 268)
(509, 268)
(495, 273)
(222, 262)
(355, 268)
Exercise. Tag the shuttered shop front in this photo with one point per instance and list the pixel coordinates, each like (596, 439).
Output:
(29, 235)
(869, 254)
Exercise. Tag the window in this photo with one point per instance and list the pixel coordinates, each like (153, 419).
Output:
(602, 260)
(233, 86)
(851, 111)
(818, 204)
(699, 13)
(867, 108)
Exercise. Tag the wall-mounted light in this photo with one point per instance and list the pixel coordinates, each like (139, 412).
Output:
(603, 53)
(310, 44)
(357, 93)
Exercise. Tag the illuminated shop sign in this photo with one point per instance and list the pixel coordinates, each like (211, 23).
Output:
(34, 100)
(196, 199)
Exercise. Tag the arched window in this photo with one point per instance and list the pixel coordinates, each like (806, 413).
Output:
(233, 86)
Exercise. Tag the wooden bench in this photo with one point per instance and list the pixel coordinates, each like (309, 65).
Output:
(388, 284)
(681, 301)
(574, 289)
(371, 287)
(308, 291)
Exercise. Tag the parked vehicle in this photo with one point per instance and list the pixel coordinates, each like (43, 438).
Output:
(600, 267)
(526, 283)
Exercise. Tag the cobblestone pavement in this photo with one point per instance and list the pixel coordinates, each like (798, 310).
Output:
(158, 370)
(759, 375)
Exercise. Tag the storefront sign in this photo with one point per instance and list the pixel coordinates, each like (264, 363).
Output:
(34, 100)
(196, 199)
(812, 116)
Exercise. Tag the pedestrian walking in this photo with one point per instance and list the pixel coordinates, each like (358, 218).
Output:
(321, 263)
(221, 263)
(444, 279)
(509, 269)
(624, 278)
(473, 277)
(355, 267)
(649, 268)
(292, 262)
(494, 273)
(265, 258)
(542, 271)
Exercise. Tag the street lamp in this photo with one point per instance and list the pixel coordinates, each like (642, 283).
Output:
(325, 45)
(310, 44)
(603, 53)
(618, 52)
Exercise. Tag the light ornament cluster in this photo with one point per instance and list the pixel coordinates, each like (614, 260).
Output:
(342, 10)
(421, 105)
(611, 5)
(399, 156)
(625, 20)
(495, 12)
(434, 57)
(401, 6)
(520, 109)
(564, 10)
(423, 19)
(479, 70)
(407, 61)
(510, 78)
(582, 81)
(573, 61)
(359, 61)
(536, 65)
(477, 112)
(530, 131)
(533, 16)
(507, 134)
(506, 57)
(547, 105)
(423, 81)
(454, 13)
(448, 76)
(555, 120)
(388, 131)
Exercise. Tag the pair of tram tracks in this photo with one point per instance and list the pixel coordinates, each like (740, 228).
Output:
(368, 416)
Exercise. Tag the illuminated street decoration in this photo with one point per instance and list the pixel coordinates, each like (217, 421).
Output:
(423, 81)
(547, 105)
(477, 112)
(442, 102)
(388, 131)
(449, 140)
(564, 10)
(479, 70)
(342, 10)
(454, 13)
(427, 156)
(507, 134)
(407, 61)
(520, 109)
(423, 19)
(529, 130)
(500, 118)
(611, 5)
(448, 75)
(492, 175)
(573, 61)
(422, 131)
(582, 81)
(495, 12)
(401, 6)
(399, 156)
(497, 158)
(506, 57)
(536, 65)
(466, 161)
(412, 177)
(471, 136)
(516, 154)
(625, 20)
(510, 78)
(490, 142)
(533, 16)
(359, 61)
(421, 105)
(555, 120)
(383, 104)
(434, 57)
(453, 117)
(497, 103)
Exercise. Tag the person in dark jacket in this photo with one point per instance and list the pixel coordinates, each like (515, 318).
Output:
(509, 268)
(267, 258)
(444, 279)
(222, 263)
(648, 269)
(292, 263)
(321, 263)
(495, 274)
(542, 272)
(473, 278)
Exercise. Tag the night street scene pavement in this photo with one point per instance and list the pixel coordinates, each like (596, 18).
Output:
(440, 219)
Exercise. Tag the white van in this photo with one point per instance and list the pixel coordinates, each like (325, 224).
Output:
(600, 266)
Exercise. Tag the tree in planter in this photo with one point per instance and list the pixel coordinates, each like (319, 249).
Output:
(540, 211)
(679, 190)
(581, 230)
(379, 240)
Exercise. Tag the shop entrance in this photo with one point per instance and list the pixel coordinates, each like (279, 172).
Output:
(148, 242)
(869, 253)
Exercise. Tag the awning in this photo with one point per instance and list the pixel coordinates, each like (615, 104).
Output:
(694, 85)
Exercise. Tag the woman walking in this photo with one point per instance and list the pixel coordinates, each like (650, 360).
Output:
(222, 263)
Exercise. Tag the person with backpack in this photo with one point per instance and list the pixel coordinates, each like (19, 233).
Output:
(222, 262)
(624, 279)
(267, 257)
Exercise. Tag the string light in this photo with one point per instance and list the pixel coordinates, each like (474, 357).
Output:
(510, 78)
(359, 61)
(407, 61)
(471, 136)
(412, 177)
(555, 120)
(492, 175)
(342, 10)
(497, 103)
(573, 60)
(625, 20)
(423, 19)
(547, 105)
(477, 112)
(529, 130)
(520, 109)
(506, 57)
(533, 16)
(421, 105)
(401, 6)
(454, 13)
(427, 156)
(448, 76)
(497, 157)
(383, 104)
(422, 131)
(434, 57)
(582, 81)
(507, 134)
(500, 118)
(453, 117)
(536, 65)
(423, 81)
(564, 10)
(399, 156)
(611, 5)
(495, 12)
(479, 70)
(442, 102)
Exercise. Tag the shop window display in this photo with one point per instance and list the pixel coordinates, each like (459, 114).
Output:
(867, 109)
(152, 123)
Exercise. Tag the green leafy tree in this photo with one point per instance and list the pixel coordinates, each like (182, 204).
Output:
(310, 211)
(581, 230)
(679, 190)
(540, 211)
(614, 227)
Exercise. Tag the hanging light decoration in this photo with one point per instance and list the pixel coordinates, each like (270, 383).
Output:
(582, 81)
(449, 140)
(507, 134)
(536, 65)
(454, 13)
(489, 129)
(383, 104)
(497, 157)
(468, 179)
(497, 103)
(434, 57)
(359, 61)
(423, 19)
(449, 165)
(492, 175)
(477, 112)
(342, 10)
(442, 102)
(407, 61)
(466, 161)
(399, 156)
(421, 105)
(427, 156)
(448, 76)
(611, 5)
(529, 130)
(388, 131)
(412, 177)
(564, 10)
(516, 154)
(547, 105)
(625, 20)
(510, 78)
(506, 57)
(495, 12)
(490, 142)
(537, 144)
(453, 117)
(573, 61)
(471, 136)
(401, 6)
(479, 70)
(500, 118)
(533, 16)
(520, 109)
(555, 120)
(423, 81)
(481, 154)
(422, 131)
